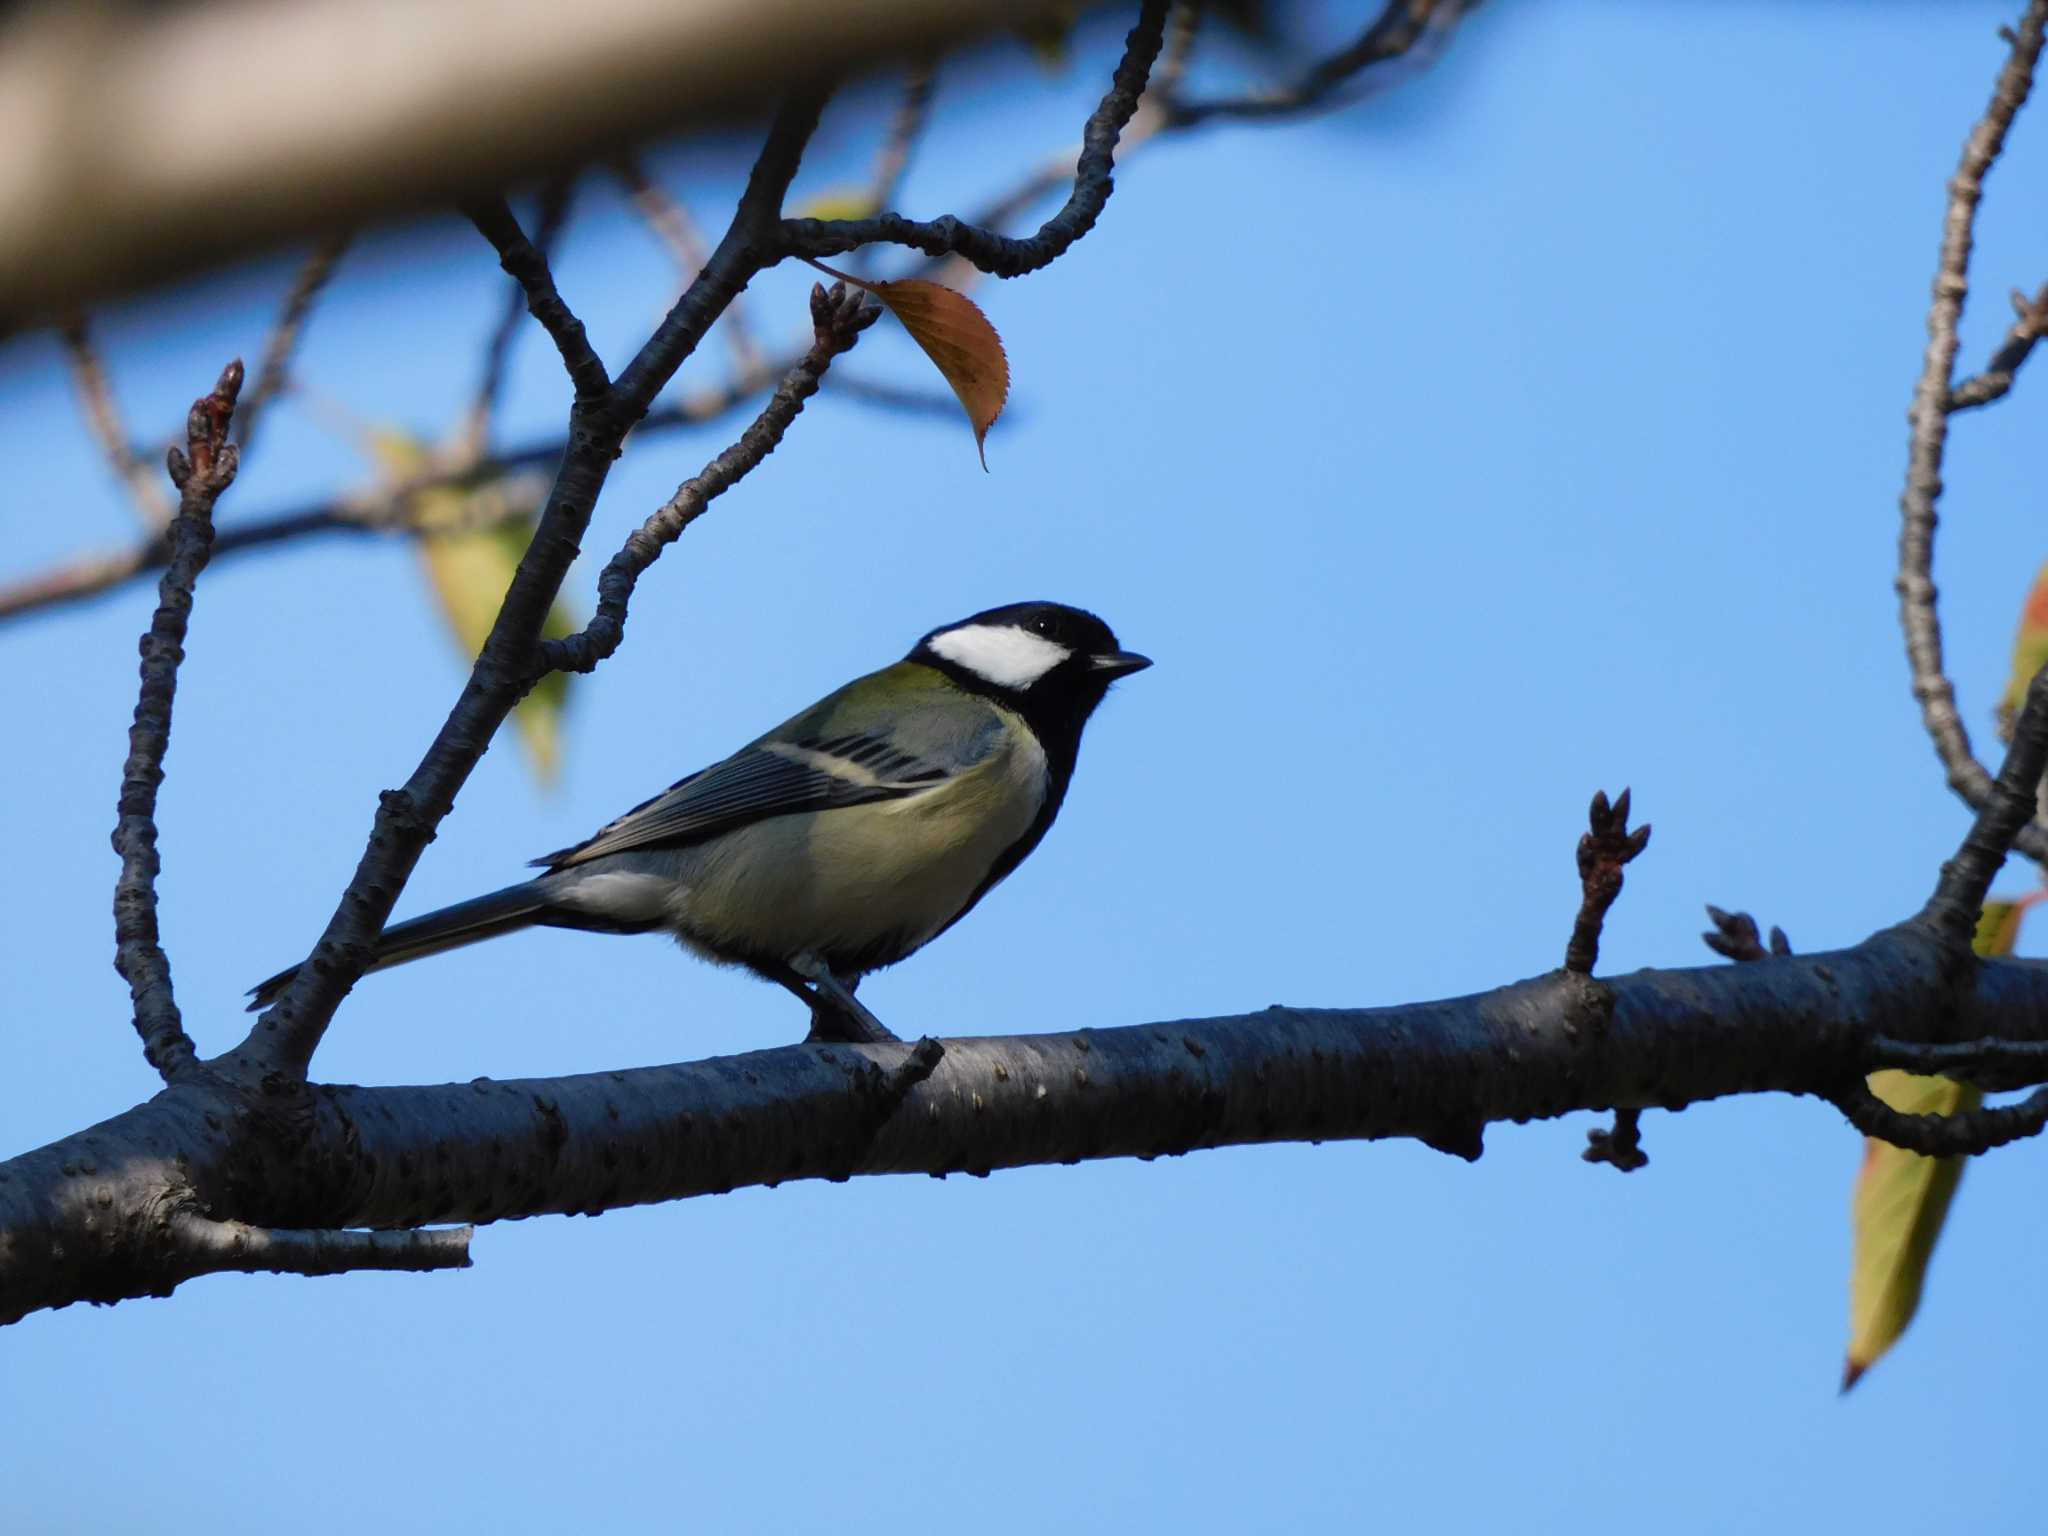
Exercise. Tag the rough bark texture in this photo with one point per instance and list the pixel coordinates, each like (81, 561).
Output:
(95, 1216)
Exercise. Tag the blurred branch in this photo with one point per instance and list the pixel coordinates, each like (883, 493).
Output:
(1399, 29)
(906, 127)
(273, 374)
(389, 508)
(1934, 399)
(103, 417)
(201, 471)
(671, 222)
(114, 180)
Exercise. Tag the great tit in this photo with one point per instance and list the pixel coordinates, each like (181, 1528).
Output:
(845, 839)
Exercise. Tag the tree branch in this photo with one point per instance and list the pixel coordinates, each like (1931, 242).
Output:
(103, 418)
(838, 318)
(387, 509)
(1933, 401)
(1958, 899)
(209, 1247)
(273, 374)
(471, 96)
(527, 267)
(201, 473)
(1997, 378)
(476, 431)
(80, 1219)
(677, 231)
(1605, 849)
(1399, 27)
(286, 1035)
(997, 254)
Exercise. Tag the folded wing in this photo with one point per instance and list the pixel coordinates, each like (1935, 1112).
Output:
(772, 778)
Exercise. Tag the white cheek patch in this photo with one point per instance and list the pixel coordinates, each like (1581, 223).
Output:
(1001, 654)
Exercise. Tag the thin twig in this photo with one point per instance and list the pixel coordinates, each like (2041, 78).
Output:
(103, 417)
(906, 127)
(672, 224)
(1604, 851)
(1967, 1059)
(388, 507)
(996, 254)
(1933, 399)
(1958, 899)
(1395, 32)
(2030, 323)
(273, 374)
(475, 432)
(201, 472)
(529, 268)
(1735, 936)
(1622, 1147)
(208, 1247)
(1959, 1135)
(837, 317)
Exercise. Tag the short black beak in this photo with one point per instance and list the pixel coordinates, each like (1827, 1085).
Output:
(1118, 663)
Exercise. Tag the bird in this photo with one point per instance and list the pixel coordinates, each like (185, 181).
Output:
(843, 840)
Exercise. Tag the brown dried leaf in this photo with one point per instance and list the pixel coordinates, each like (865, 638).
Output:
(957, 337)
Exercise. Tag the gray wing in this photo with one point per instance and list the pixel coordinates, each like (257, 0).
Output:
(773, 778)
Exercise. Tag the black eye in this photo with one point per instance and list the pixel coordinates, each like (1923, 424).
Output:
(1042, 625)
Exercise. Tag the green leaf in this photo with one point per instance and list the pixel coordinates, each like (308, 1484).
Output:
(1902, 1198)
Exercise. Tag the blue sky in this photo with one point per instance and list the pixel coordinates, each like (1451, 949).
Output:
(1536, 428)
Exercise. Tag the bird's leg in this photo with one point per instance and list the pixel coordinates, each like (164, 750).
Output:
(836, 1014)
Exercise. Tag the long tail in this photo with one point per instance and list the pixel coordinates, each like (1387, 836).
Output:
(484, 917)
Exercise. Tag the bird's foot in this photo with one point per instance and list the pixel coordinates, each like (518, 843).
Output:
(836, 1014)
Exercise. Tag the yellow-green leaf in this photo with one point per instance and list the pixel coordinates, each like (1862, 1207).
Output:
(839, 203)
(2029, 651)
(1901, 1197)
(470, 541)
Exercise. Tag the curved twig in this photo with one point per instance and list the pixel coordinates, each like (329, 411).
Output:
(997, 254)
(838, 317)
(1933, 402)
(204, 469)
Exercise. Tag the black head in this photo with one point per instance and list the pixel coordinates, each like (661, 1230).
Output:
(1050, 663)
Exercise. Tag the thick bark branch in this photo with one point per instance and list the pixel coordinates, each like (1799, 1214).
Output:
(86, 1218)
